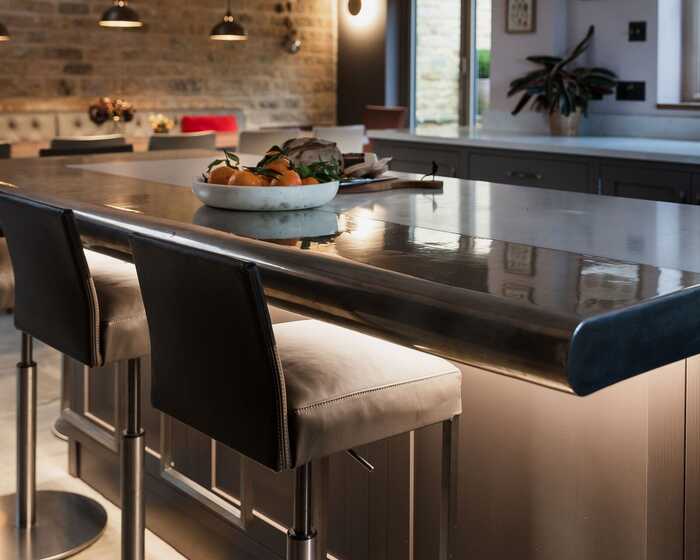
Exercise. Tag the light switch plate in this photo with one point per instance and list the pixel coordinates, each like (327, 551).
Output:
(638, 31)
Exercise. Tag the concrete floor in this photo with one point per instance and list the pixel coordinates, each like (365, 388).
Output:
(52, 455)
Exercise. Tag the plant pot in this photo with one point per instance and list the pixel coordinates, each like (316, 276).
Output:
(559, 125)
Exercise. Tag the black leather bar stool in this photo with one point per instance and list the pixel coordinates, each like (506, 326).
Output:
(286, 394)
(88, 306)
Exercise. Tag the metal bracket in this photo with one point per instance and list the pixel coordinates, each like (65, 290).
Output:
(364, 462)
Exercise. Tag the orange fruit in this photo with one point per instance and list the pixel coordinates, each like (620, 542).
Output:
(247, 179)
(221, 175)
(310, 181)
(289, 178)
(280, 165)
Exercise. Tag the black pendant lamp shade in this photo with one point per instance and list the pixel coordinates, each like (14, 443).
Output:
(229, 29)
(120, 15)
(354, 7)
(4, 35)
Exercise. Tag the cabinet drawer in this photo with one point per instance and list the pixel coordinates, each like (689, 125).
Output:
(419, 158)
(646, 182)
(531, 172)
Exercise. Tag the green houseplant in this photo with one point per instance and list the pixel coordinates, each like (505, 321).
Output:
(563, 93)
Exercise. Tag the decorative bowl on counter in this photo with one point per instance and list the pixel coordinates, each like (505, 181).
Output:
(301, 224)
(265, 198)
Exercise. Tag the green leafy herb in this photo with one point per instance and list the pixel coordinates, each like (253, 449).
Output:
(322, 171)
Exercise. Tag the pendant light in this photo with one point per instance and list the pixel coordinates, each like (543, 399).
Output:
(120, 15)
(4, 35)
(229, 29)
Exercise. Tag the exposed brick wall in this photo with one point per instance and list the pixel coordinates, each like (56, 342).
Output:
(60, 59)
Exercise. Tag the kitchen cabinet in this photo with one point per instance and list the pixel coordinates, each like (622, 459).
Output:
(646, 182)
(596, 174)
(528, 170)
(419, 158)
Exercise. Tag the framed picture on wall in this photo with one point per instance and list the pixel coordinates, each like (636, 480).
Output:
(521, 16)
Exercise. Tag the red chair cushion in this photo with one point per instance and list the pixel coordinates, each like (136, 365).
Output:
(217, 123)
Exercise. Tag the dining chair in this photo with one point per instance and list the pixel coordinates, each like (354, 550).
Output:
(5, 151)
(205, 140)
(380, 117)
(349, 139)
(259, 141)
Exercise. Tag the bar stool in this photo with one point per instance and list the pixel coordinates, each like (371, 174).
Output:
(87, 306)
(286, 394)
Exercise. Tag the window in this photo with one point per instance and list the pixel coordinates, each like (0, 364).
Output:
(690, 82)
(452, 61)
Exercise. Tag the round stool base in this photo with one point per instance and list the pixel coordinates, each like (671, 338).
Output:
(66, 523)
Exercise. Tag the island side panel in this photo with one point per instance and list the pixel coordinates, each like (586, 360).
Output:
(692, 477)
(543, 475)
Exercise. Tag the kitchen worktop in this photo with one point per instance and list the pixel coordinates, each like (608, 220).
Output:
(646, 149)
(567, 290)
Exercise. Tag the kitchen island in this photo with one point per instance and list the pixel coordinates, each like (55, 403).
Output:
(566, 291)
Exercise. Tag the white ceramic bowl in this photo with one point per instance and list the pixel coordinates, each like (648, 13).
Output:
(267, 199)
(297, 224)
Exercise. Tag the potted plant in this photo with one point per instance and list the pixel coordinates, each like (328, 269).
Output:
(561, 92)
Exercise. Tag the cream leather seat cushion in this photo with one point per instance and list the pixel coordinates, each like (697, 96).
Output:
(123, 326)
(345, 389)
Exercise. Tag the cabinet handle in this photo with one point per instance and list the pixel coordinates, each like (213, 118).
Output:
(523, 175)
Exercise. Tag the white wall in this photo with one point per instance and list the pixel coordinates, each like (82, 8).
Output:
(561, 24)
(508, 51)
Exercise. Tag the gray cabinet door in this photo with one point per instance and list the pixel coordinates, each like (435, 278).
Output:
(532, 170)
(647, 182)
(411, 157)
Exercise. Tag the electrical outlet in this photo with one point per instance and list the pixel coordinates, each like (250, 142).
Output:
(631, 91)
(638, 31)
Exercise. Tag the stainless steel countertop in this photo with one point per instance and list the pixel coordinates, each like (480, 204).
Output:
(571, 291)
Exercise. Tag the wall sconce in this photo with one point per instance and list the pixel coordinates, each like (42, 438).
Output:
(291, 42)
(354, 7)
(120, 15)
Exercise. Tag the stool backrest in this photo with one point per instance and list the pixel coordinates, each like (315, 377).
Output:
(87, 142)
(184, 141)
(55, 298)
(214, 363)
(86, 150)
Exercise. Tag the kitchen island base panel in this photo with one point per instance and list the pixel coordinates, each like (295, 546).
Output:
(542, 475)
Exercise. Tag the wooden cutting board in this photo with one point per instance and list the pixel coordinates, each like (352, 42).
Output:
(391, 184)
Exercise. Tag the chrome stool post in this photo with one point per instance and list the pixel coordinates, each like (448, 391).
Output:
(41, 525)
(449, 489)
(132, 491)
(301, 538)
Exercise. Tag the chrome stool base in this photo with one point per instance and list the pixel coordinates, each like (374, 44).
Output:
(66, 523)
(301, 547)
